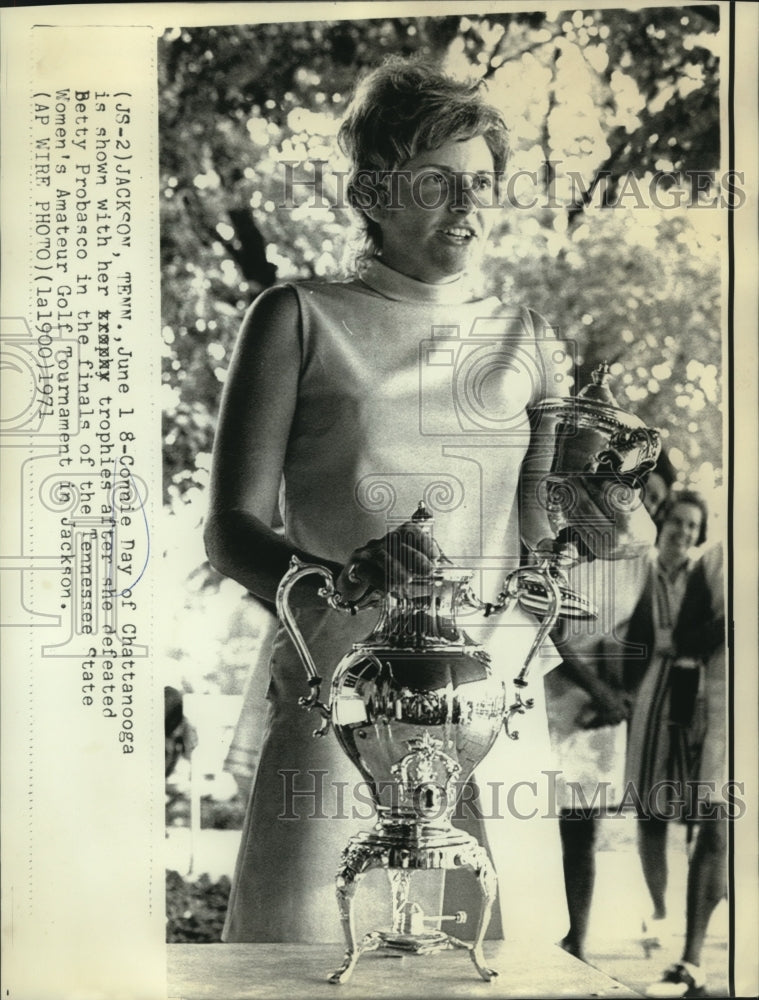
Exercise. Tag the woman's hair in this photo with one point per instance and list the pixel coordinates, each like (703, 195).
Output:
(405, 107)
(665, 468)
(666, 473)
(688, 496)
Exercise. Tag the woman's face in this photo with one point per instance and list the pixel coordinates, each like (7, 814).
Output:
(679, 532)
(439, 211)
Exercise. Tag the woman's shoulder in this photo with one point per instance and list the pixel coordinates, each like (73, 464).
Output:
(278, 302)
(290, 290)
(283, 305)
(711, 560)
(552, 355)
(538, 324)
(535, 322)
(525, 322)
(270, 327)
(710, 566)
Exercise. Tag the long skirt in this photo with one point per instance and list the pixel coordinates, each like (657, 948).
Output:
(666, 742)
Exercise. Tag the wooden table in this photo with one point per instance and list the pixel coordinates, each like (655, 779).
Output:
(299, 972)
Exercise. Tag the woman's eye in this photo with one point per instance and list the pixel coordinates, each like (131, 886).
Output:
(482, 182)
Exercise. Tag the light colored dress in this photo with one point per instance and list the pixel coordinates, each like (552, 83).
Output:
(407, 392)
(590, 759)
(245, 747)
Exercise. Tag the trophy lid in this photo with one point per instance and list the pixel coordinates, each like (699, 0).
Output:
(598, 388)
(594, 405)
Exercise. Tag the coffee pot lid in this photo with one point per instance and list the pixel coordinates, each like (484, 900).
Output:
(443, 568)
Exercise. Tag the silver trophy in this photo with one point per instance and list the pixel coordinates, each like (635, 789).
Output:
(600, 456)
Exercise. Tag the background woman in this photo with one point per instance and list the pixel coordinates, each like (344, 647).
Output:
(699, 660)
(657, 756)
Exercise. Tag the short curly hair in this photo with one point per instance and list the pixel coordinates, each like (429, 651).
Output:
(405, 107)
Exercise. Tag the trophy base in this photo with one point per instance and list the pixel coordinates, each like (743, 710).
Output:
(416, 944)
(402, 847)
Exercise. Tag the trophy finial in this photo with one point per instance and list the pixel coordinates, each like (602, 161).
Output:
(601, 374)
(421, 513)
(597, 390)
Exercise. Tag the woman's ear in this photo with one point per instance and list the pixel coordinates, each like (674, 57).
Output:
(369, 195)
(375, 211)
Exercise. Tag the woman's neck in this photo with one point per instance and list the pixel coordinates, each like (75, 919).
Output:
(672, 565)
(395, 285)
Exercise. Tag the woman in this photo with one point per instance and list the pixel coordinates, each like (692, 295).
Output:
(699, 666)
(588, 708)
(347, 403)
(659, 754)
(590, 699)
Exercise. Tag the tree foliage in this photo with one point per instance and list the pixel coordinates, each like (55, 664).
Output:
(621, 103)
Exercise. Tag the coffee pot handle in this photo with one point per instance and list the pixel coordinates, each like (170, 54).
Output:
(297, 571)
(515, 586)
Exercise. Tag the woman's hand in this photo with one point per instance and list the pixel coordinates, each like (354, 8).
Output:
(388, 564)
(609, 707)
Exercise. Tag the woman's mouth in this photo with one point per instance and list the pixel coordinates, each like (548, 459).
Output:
(460, 234)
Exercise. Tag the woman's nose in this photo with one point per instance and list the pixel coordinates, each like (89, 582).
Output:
(463, 195)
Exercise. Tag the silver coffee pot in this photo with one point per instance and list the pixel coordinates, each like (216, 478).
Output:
(416, 706)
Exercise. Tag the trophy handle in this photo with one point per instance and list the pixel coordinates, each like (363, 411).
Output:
(297, 571)
(632, 451)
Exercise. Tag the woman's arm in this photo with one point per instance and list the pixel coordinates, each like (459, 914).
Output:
(610, 704)
(700, 629)
(256, 413)
(555, 380)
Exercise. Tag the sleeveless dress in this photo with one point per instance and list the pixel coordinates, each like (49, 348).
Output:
(407, 392)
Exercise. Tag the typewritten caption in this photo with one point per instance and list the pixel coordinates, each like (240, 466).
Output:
(83, 257)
